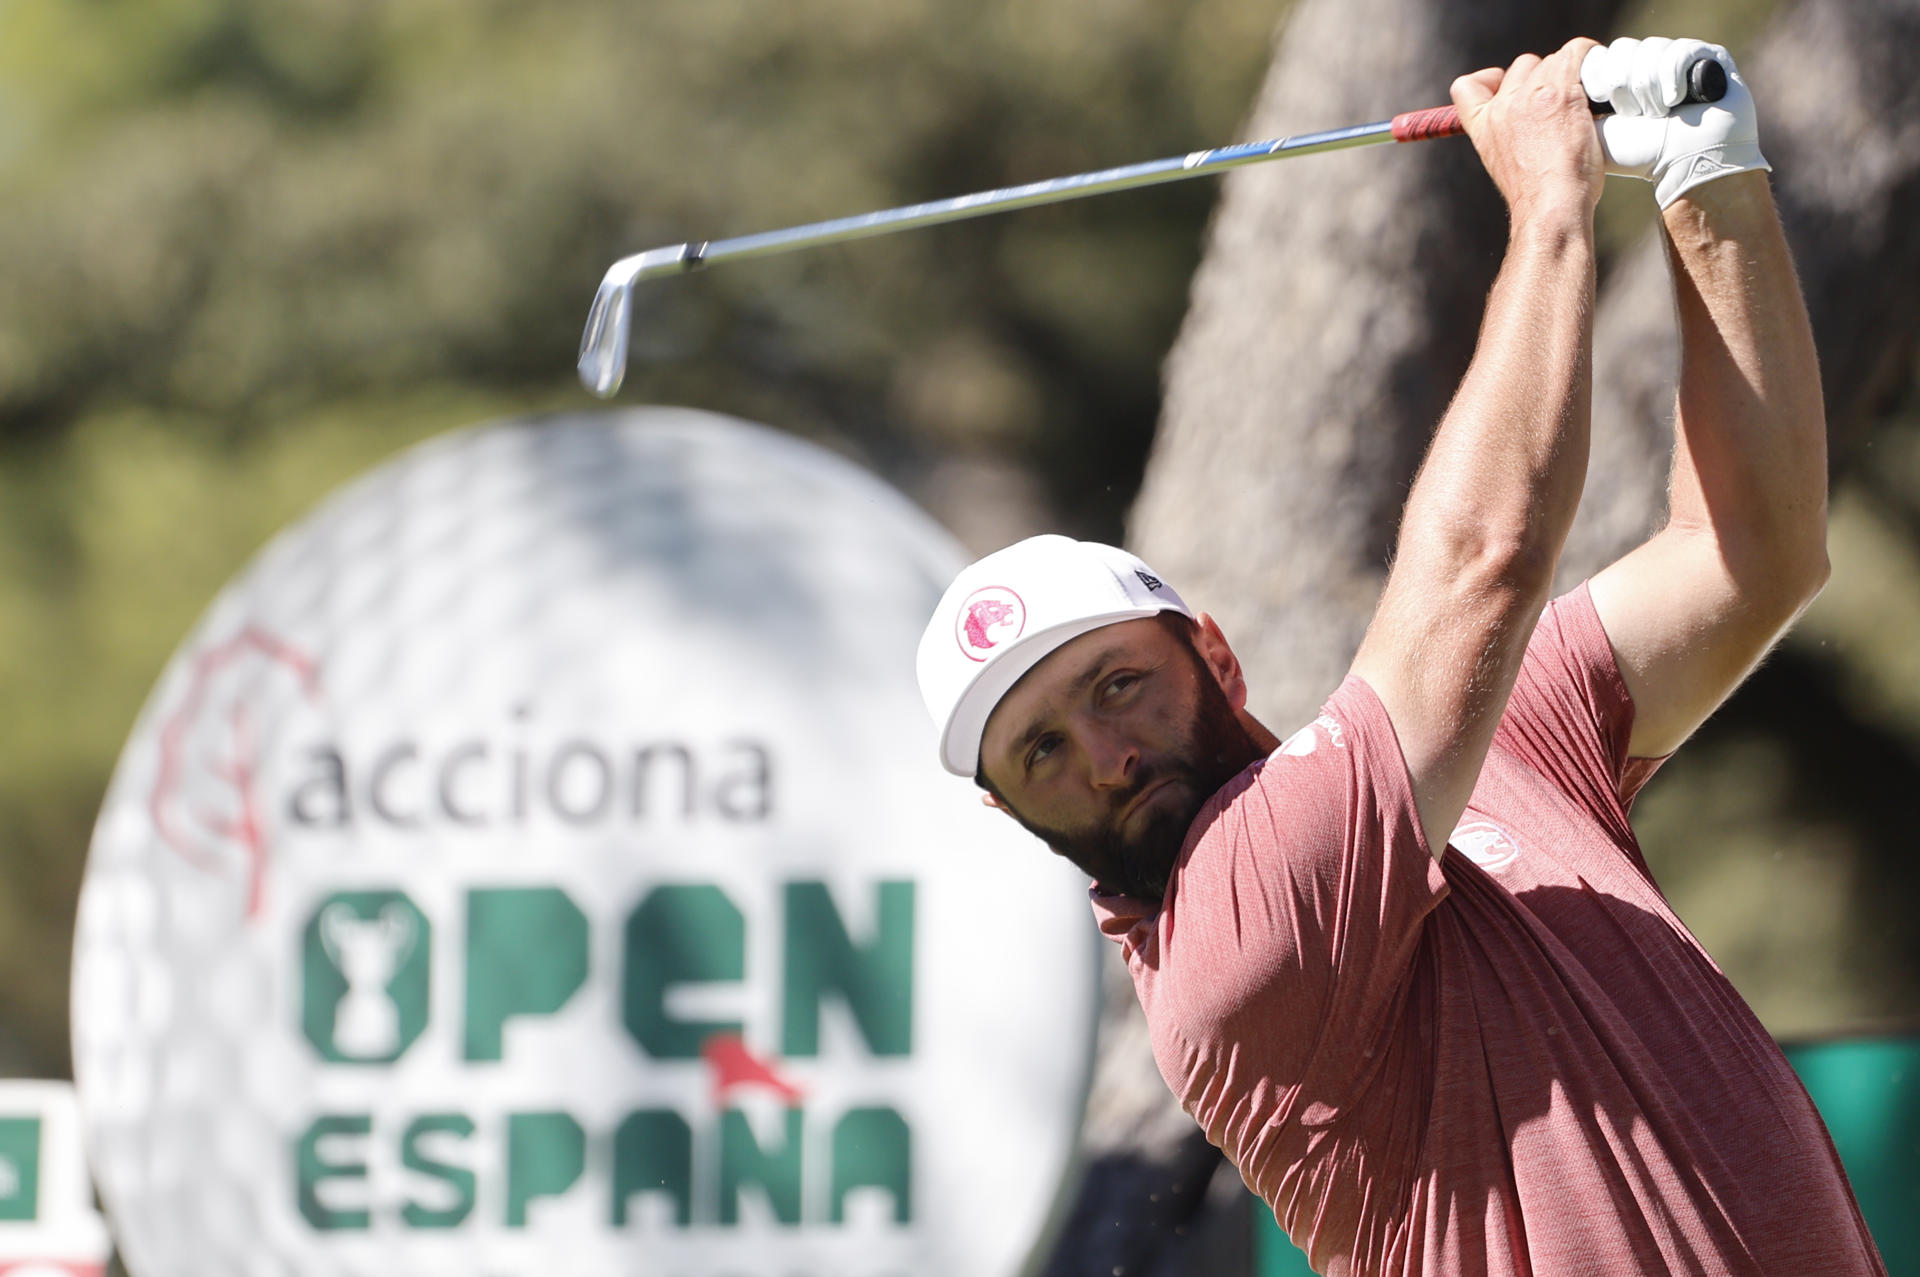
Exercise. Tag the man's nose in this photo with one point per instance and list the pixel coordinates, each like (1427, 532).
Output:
(1111, 759)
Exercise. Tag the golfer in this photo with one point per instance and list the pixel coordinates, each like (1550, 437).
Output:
(1408, 968)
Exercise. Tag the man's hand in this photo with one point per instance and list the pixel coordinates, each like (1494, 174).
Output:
(1652, 135)
(1533, 127)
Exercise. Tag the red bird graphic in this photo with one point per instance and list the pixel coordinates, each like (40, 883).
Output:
(734, 1065)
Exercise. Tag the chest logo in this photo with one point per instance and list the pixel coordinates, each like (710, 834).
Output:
(1485, 844)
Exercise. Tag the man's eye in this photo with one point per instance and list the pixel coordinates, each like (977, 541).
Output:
(1120, 683)
(1040, 751)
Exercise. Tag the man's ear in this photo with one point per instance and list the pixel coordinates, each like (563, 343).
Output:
(1218, 655)
(991, 799)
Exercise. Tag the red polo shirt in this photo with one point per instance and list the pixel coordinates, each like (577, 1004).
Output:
(1517, 1060)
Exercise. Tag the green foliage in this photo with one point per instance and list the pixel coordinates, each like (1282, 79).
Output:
(230, 208)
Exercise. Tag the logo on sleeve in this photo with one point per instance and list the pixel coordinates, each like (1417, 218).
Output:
(1307, 739)
(992, 615)
(1301, 743)
(1485, 844)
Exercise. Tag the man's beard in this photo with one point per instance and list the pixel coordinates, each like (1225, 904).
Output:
(1213, 748)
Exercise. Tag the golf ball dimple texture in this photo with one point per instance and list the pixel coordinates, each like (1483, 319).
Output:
(368, 976)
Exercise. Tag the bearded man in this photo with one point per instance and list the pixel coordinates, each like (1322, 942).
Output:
(1409, 969)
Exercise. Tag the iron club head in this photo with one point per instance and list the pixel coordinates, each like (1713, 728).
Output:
(603, 346)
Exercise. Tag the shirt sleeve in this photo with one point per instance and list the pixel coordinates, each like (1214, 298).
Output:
(1570, 716)
(1290, 930)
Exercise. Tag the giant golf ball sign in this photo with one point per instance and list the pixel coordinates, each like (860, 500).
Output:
(536, 861)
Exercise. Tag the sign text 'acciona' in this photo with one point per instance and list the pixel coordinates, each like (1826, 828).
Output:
(476, 783)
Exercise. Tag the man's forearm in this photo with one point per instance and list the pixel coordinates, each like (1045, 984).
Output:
(1504, 473)
(1487, 517)
(1690, 612)
(1750, 465)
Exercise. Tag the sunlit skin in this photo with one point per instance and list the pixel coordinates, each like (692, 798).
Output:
(1109, 747)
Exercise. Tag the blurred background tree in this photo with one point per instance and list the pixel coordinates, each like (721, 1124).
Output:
(250, 249)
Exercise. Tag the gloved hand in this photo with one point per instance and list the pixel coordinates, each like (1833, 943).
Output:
(1651, 135)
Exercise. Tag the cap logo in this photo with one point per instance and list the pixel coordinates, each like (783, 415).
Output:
(1149, 580)
(992, 615)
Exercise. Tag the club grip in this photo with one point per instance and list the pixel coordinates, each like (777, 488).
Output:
(1423, 126)
(1706, 82)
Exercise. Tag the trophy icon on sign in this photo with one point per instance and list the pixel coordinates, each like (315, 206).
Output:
(368, 953)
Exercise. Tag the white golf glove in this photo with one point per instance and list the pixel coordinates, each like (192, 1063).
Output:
(1651, 134)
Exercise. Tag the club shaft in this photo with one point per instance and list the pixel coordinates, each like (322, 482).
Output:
(1054, 190)
(603, 346)
(1409, 126)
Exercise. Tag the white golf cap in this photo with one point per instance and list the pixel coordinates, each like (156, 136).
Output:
(1003, 614)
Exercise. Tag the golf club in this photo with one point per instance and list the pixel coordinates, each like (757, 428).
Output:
(603, 346)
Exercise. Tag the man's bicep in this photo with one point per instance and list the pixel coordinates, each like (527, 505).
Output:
(1443, 676)
(1683, 631)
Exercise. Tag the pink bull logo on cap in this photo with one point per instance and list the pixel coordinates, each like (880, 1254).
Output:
(991, 616)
